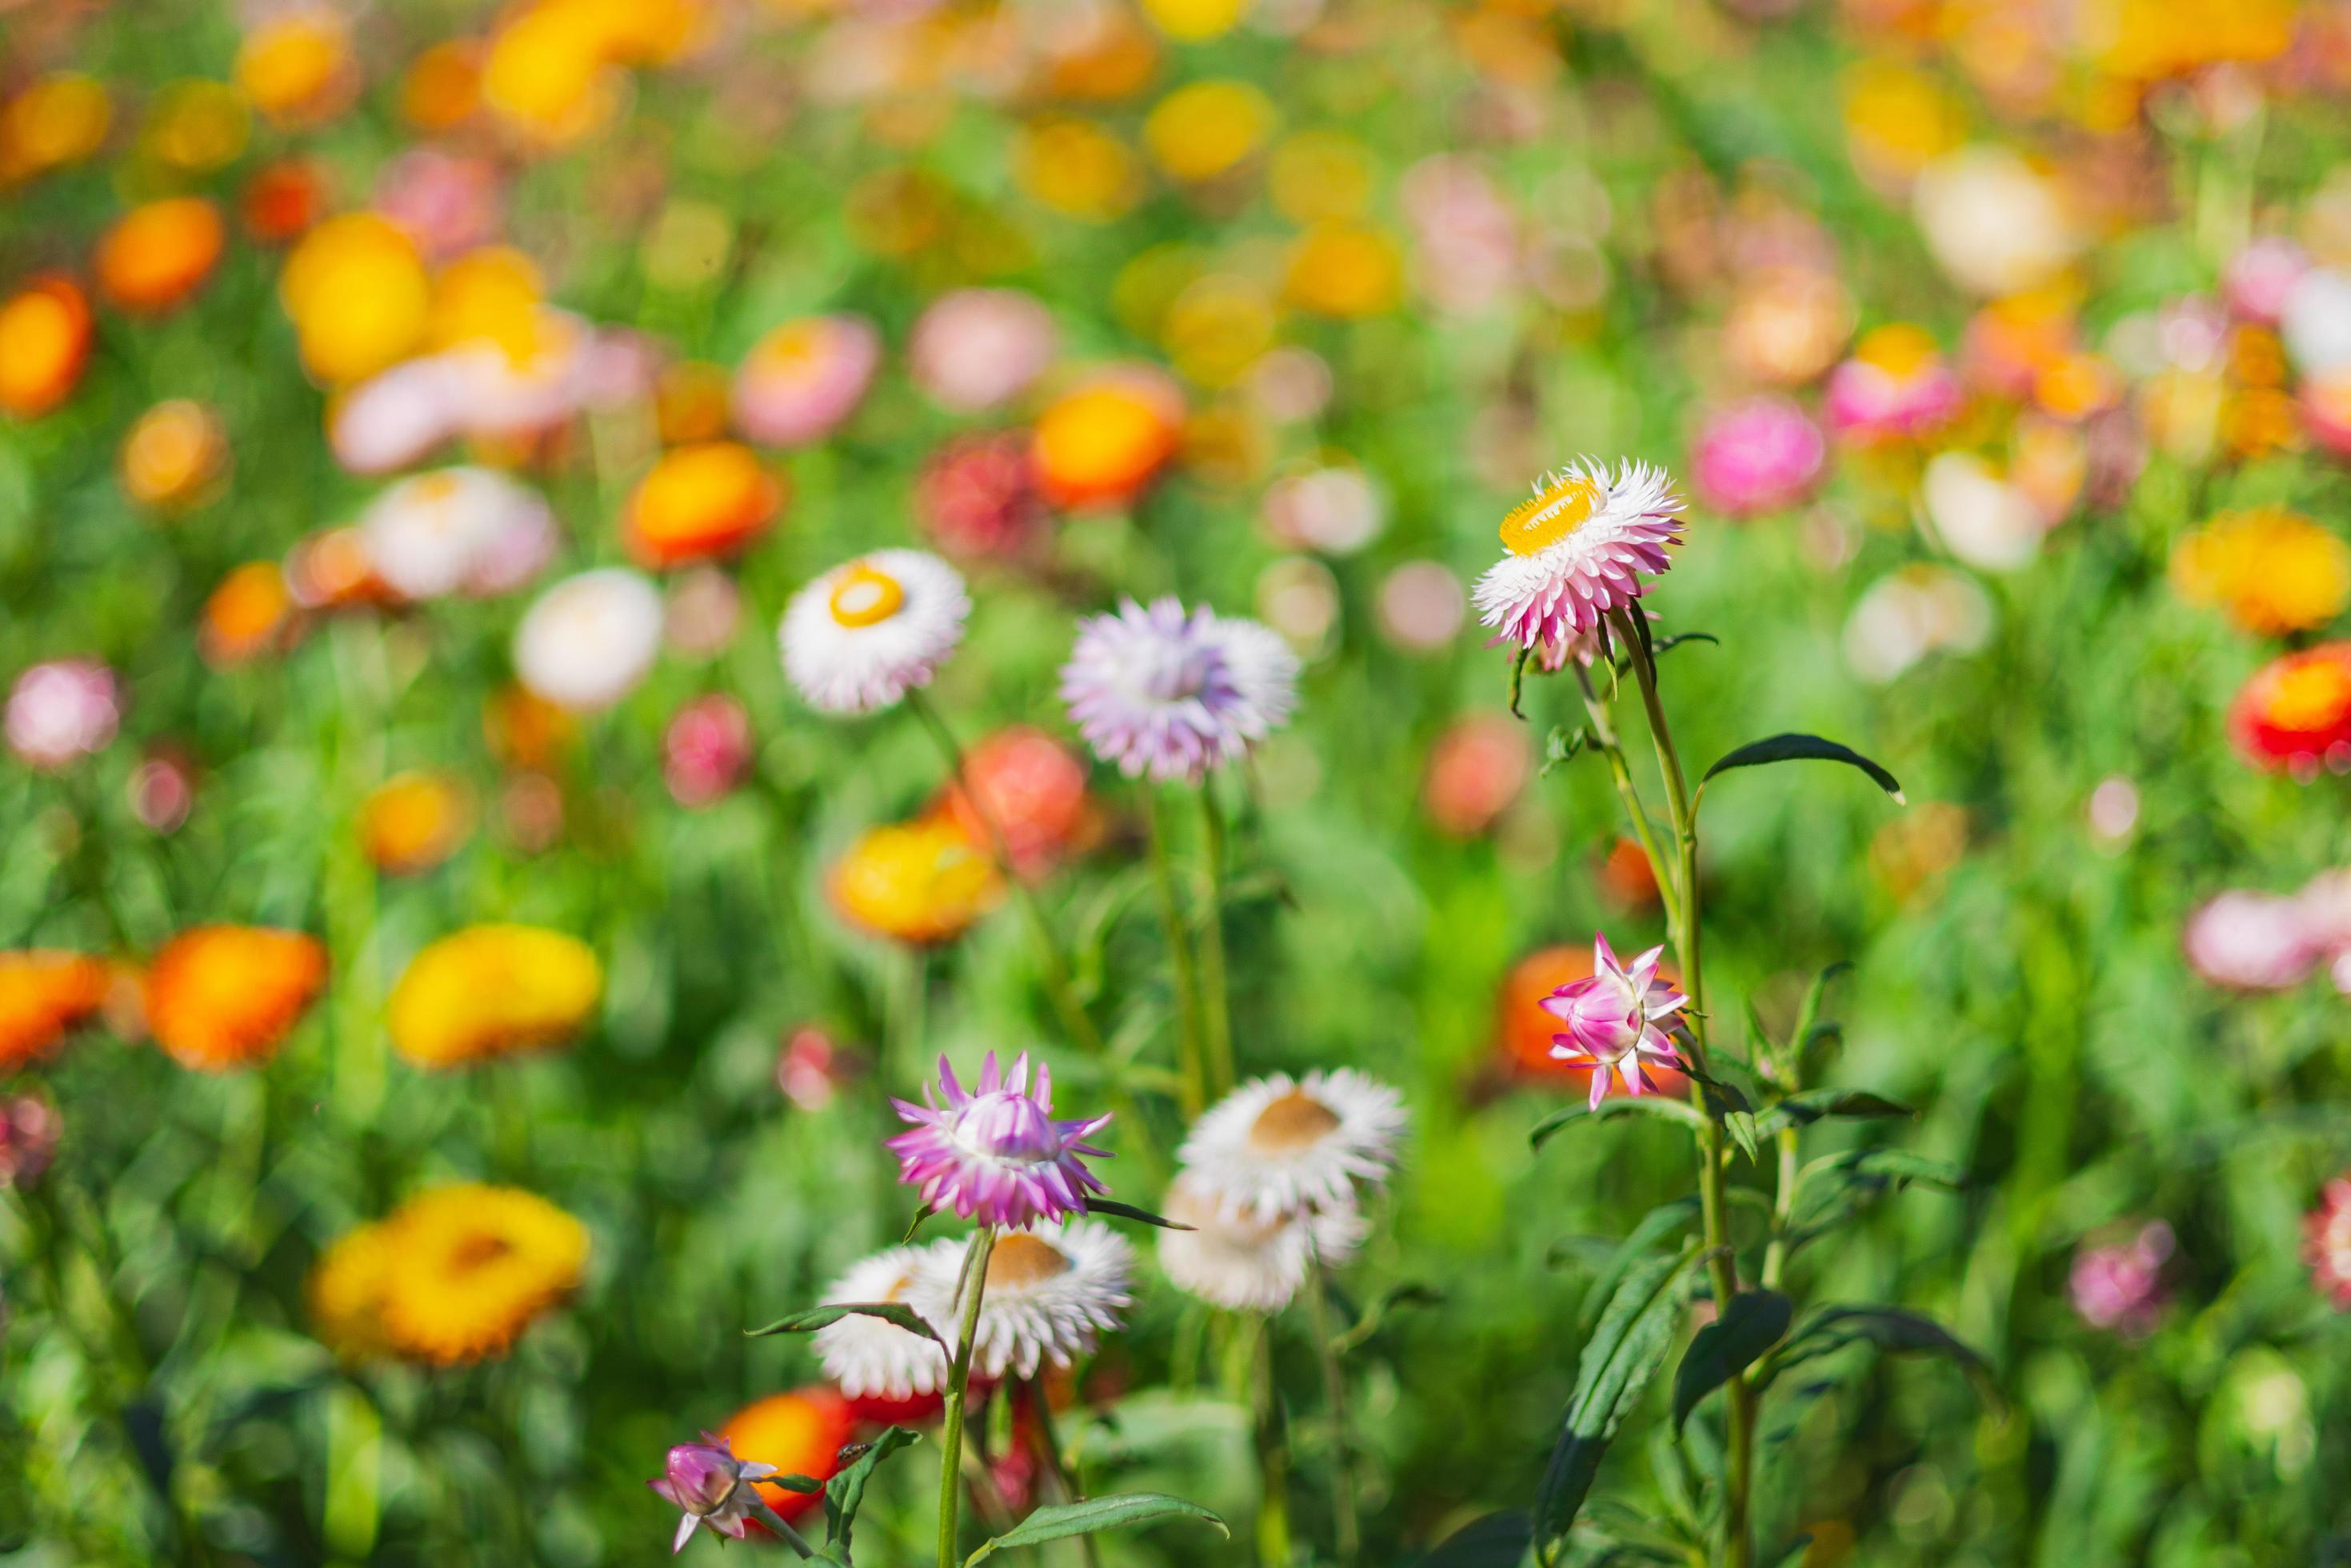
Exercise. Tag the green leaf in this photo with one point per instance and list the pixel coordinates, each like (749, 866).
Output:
(1125, 1511)
(1410, 1293)
(1561, 748)
(1659, 1106)
(1667, 644)
(1889, 1329)
(814, 1318)
(1752, 1324)
(1624, 1353)
(1809, 1014)
(846, 1491)
(917, 1224)
(807, 1486)
(1128, 1211)
(1805, 749)
(1518, 679)
(1640, 1242)
(1728, 1105)
(1497, 1541)
(1859, 1178)
(1812, 1105)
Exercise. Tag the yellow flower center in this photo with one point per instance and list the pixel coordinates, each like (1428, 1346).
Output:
(2311, 695)
(1536, 525)
(1296, 1120)
(1021, 1258)
(864, 597)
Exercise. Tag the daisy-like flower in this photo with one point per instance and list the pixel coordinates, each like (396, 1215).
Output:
(1248, 1263)
(994, 1153)
(711, 1485)
(1279, 1145)
(586, 643)
(2326, 1243)
(860, 636)
(1172, 693)
(1612, 1018)
(1049, 1294)
(1577, 550)
(867, 1357)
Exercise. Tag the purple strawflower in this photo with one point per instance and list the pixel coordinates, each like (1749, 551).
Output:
(1174, 693)
(1612, 1018)
(712, 1486)
(2120, 1286)
(995, 1154)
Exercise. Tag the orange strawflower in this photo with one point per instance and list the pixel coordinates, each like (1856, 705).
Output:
(157, 255)
(173, 455)
(801, 1434)
(921, 882)
(413, 822)
(44, 995)
(1103, 442)
(44, 337)
(701, 501)
(245, 615)
(220, 997)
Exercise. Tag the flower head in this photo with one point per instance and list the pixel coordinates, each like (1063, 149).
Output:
(1281, 1145)
(61, 711)
(1033, 789)
(29, 1138)
(2119, 1286)
(2269, 569)
(994, 1153)
(701, 501)
(860, 636)
(1577, 550)
(1755, 457)
(2295, 711)
(975, 348)
(2326, 1243)
(805, 377)
(1049, 1293)
(586, 643)
(492, 990)
(475, 1266)
(1612, 1020)
(1897, 386)
(706, 749)
(708, 1483)
(226, 996)
(923, 882)
(1172, 693)
(1249, 1262)
(2251, 941)
(870, 1359)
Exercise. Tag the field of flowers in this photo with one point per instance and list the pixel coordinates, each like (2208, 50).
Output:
(1353, 783)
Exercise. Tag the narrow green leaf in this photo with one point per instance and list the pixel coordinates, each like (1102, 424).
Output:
(1497, 1541)
(1836, 1188)
(1128, 1211)
(1125, 1511)
(1518, 679)
(1409, 1294)
(1625, 1350)
(1640, 1242)
(814, 1318)
(1659, 1105)
(1889, 1329)
(1561, 747)
(917, 1224)
(1804, 1109)
(807, 1486)
(1809, 1013)
(1667, 644)
(845, 1492)
(1752, 1324)
(1805, 749)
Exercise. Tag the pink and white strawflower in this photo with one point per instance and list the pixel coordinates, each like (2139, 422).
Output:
(1613, 1020)
(62, 711)
(712, 1486)
(2120, 1286)
(2326, 1243)
(1578, 550)
(1759, 455)
(994, 1153)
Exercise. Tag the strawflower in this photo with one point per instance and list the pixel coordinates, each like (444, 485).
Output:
(1613, 1020)
(994, 1153)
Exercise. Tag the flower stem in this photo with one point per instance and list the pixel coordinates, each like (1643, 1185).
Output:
(969, 1287)
(1346, 1524)
(783, 1528)
(1050, 951)
(1273, 1548)
(1216, 1002)
(1179, 958)
(1057, 1466)
(1714, 1208)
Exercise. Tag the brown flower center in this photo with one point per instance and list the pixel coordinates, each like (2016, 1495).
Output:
(1021, 1260)
(1296, 1120)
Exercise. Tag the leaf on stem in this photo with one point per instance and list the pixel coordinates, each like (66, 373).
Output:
(1752, 1323)
(814, 1318)
(1409, 1294)
(1061, 1521)
(1561, 747)
(1497, 1541)
(1661, 1105)
(1518, 679)
(1831, 1329)
(1814, 1105)
(1805, 749)
(845, 1491)
(1625, 1349)
(1128, 1211)
(916, 1223)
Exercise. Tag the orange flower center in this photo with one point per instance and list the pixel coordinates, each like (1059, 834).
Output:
(864, 597)
(1296, 1120)
(1536, 525)
(1021, 1260)
(2311, 695)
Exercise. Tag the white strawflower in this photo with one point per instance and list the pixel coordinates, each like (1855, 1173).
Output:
(456, 528)
(1051, 1291)
(1248, 1263)
(871, 1358)
(1277, 1146)
(864, 633)
(587, 640)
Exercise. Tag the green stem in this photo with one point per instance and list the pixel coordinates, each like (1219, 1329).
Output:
(1216, 1003)
(1606, 742)
(777, 1523)
(1273, 1547)
(1074, 1019)
(1348, 1525)
(969, 1287)
(1180, 958)
(1685, 930)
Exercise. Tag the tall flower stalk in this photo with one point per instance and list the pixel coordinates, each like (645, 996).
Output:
(969, 1289)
